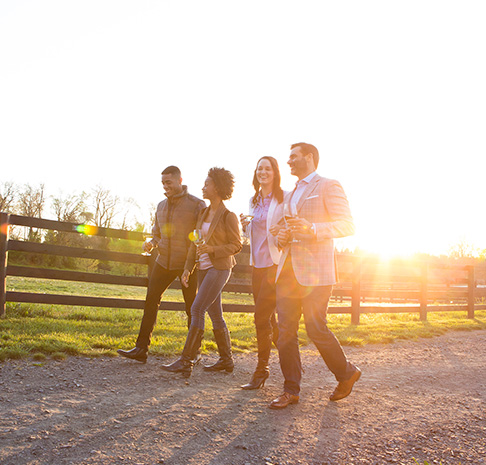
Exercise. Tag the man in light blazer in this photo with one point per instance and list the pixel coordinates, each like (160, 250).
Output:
(307, 272)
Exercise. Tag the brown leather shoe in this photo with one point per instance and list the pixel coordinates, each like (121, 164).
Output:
(344, 388)
(283, 401)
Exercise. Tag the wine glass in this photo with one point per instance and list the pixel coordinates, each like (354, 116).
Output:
(198, 240)
(289, 212)
(246, 220)
(147, 240)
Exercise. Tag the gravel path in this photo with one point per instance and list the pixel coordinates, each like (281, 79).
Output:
(423, 399)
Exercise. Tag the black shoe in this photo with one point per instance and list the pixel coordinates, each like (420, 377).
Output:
(257, 380)
(221, 365)
(138, 354)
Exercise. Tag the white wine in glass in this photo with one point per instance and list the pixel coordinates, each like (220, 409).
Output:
(198, 240)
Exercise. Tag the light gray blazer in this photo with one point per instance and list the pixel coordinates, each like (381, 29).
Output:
(325, 204)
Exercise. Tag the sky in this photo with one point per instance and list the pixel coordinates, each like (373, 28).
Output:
(109, 93)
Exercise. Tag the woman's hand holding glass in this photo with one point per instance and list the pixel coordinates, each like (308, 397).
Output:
(245, 220)
(274, 229)
(204, 248)
(283, 237)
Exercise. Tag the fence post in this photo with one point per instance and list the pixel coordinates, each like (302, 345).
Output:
(471, 286)
(4, 229)
(356, 291)
(423, 292)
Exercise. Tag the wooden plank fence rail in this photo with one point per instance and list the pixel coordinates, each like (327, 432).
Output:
(367, 285)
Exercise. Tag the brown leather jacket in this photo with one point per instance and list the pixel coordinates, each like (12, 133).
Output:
(223, 235)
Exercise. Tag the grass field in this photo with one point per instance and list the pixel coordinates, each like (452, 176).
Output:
(41, 331)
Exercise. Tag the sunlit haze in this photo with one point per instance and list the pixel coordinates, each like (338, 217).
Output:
(392, 93)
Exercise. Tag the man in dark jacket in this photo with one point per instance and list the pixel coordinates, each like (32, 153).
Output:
(175, 219)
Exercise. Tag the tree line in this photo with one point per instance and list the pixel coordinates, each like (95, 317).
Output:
(98, 207)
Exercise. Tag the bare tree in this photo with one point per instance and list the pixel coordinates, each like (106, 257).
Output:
(104, 206)
(7, 197)
(31, 202)
(463, 249)
(70, 208)
(129, 206)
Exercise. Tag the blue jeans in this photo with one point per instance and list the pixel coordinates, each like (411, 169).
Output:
(293, 299)
(208, 299)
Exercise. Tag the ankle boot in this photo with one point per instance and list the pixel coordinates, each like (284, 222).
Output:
(188, 358)
(223, 342)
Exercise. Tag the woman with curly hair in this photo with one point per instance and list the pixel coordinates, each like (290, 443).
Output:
(265, 209)
(215, 260)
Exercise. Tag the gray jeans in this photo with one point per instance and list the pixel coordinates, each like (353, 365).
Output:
(208, 299)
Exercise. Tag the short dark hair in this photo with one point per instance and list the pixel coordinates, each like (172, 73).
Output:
(306, 149)
(172, 170)
(224, 182)
(276, 189)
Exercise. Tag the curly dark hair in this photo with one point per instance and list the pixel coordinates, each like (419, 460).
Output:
(224, 181)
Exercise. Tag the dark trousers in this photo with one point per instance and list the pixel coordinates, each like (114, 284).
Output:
(264, 295)
(160, 279)
(293, 299)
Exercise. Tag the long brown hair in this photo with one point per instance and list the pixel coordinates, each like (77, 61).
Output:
(276, 189)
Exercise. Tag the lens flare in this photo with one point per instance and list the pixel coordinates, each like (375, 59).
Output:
(4, 229)
(168, 230)
(86, 229)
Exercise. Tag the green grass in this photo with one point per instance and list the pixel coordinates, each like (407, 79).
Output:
(40, 331)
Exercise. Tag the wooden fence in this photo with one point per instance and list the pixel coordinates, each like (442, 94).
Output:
(366, 284)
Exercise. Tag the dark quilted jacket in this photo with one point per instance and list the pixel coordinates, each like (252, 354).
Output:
(175, 218)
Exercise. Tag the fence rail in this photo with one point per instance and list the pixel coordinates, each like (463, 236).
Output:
(367, 285)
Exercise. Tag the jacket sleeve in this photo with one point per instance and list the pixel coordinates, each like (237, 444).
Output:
(192, 251)
(156, 235)
(340, 222)
(191, 258)
(234, 244)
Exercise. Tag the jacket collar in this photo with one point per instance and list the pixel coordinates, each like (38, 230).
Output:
(217, 216)
(173, 198)
(308, 189)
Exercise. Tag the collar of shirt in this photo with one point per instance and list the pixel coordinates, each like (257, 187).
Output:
(307, 179)
(300, 187)
(261, 199)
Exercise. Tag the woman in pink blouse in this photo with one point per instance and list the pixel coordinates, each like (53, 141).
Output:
(265, 211)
